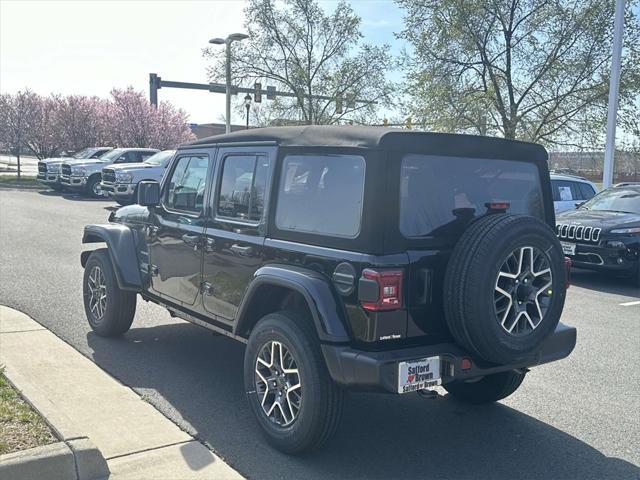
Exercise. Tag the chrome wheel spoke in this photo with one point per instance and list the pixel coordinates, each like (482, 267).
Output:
(278, 385)
(97, 293)
(522, 290)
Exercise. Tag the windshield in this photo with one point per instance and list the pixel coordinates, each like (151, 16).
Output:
(85, 153)
(618, 199)
(439, 196)
(112, 155)
(160, 158)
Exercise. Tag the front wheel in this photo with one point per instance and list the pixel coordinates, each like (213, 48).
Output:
(109, 309)
(489, 389)
(292, 396)
(93, 187)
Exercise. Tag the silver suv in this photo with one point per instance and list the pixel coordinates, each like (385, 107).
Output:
(49, 168)
(85, 175)
(120, 182)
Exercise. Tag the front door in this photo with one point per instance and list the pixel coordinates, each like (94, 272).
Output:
(177, 228)
(235, 232)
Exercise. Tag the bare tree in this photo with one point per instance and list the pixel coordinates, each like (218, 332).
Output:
(530, 69)
(298, 47)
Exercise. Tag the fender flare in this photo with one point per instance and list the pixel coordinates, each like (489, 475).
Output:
(122, 252)
(329, 316)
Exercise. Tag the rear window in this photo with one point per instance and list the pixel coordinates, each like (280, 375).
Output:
(440, 195)
(321, 194)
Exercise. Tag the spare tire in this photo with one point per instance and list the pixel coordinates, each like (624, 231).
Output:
(504, 287)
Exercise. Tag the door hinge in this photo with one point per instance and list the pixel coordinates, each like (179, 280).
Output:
(153, 270)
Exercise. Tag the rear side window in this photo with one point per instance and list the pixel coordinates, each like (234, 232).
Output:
(440, 195)
(187, 184)
(242, 188)
(587, 192)
(321, 194)
(565, 191)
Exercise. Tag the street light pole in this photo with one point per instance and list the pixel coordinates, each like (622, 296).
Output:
(227, 42)
(614, 85)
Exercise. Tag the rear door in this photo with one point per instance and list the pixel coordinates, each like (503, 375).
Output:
(177, 227)
(236, 227)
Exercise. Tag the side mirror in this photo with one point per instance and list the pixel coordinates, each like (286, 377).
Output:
(148, 193)
(579, 204)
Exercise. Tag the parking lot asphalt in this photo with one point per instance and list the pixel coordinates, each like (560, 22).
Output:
(574, 419)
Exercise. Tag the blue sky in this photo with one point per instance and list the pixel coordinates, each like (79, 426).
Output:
(89, 47)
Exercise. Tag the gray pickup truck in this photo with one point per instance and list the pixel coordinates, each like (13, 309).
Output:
(85, 175)
(120, 182)
(49, 168)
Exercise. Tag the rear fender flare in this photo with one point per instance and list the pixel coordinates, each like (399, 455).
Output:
(121, 246)
(328, 314)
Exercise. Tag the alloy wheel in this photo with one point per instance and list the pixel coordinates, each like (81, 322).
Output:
(278, 385)
(522, 293)
(97, 293)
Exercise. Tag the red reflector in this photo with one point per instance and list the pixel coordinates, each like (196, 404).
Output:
(498, 205)
(465, 364)
(389, 289)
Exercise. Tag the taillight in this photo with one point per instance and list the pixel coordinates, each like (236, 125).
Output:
(389, 284)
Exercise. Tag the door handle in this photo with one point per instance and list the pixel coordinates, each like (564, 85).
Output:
(152, 230)
(206, 288)
(191, 240)
(241, 249)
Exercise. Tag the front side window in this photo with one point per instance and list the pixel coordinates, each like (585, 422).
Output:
(439, 196)
(187, 184)
(242, 188)
(321, 194)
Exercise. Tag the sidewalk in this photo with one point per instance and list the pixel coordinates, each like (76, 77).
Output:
(78, 399)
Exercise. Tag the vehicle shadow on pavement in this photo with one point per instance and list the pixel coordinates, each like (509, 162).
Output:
(381, 436)
(605, 282)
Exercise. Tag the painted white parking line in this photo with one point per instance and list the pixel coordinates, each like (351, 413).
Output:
(630, 304)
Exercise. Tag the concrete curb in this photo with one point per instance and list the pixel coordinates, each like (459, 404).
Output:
(76, 459)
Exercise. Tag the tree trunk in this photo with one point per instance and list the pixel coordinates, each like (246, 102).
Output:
(18, 157)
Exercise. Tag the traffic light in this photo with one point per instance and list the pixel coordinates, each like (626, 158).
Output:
(271, 92)
(257, 92)
(408, 123)
(339, 104)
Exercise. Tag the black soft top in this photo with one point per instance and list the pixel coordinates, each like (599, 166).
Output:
(370, 137)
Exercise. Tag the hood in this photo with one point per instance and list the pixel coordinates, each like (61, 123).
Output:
(129, 167)
(84, 163)
(51, 160)
(599, 218)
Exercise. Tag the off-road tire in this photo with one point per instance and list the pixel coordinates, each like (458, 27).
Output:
(91, 182)
(120, 305)
(322, 400)
(470, 281)
(489, 389)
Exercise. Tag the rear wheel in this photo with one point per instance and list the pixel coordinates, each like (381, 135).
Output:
(489, 389)
(292, 396)
(109, 309)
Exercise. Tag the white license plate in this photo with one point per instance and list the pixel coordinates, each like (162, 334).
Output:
(418, 374)
(568, 248)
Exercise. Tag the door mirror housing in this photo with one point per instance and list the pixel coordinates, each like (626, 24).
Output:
(579, 204)
(148, 193)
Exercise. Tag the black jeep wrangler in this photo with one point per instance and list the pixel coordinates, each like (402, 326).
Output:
(346, 258)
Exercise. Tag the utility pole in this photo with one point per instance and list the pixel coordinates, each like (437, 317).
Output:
(614, 86)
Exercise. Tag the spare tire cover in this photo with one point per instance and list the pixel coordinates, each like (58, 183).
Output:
(505, 287)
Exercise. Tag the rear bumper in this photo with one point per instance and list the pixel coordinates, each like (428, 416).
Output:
(378, 371)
